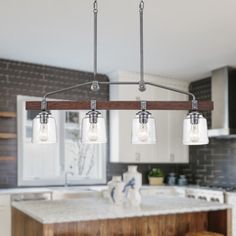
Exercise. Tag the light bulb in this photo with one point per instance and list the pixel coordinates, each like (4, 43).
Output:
(143, 133)
(93, 132)
(43, 132)
(194, 133)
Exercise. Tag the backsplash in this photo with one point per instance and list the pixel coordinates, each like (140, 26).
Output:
(213, 164)
(119, 169)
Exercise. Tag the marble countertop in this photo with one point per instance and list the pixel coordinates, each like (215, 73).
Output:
(97, 188)
(51, 189)
(86, 209)
(24, 190)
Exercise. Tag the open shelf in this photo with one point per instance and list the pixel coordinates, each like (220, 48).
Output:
(8, 136)
(7, 158)
(7, 114)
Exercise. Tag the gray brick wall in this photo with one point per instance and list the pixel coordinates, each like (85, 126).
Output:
(213, 164)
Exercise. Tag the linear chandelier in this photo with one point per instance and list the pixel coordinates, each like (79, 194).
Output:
(143, 125)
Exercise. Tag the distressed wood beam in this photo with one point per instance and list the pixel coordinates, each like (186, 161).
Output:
(120, 105)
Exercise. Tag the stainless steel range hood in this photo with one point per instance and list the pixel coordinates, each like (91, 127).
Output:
(223, 93)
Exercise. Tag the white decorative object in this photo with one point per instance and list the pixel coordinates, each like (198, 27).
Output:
(134, 197)
(132, 173)
(116, 190)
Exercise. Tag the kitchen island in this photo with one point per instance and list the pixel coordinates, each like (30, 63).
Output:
(157, 215)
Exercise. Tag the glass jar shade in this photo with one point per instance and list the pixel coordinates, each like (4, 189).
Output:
(195, 134)
(44, 132)
(144, 133)
(94, 132)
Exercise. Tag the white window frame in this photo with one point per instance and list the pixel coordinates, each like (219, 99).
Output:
(21, 114)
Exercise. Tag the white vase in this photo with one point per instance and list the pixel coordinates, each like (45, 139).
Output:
(115, 190)
(132, 173)
(134, 197)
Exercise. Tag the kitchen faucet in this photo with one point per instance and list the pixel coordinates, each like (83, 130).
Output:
(66, 177)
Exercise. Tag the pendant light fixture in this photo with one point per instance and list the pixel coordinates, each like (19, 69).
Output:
(143, 125)
(195, 128)
(93, 126)
(44, 127)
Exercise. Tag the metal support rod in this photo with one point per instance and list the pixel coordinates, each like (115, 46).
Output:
(120, 83)
(152, 84)
(44, 104)
(66, 89)
(95, 12)
(143, 105)
(93, 105)
(142, 86)
(172, 89)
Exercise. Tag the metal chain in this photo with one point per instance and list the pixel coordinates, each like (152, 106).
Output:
(142, 86)
(95, 11)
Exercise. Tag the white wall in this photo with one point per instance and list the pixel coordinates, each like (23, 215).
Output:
(183, 39)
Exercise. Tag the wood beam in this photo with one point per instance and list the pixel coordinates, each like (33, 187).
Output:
(120, 105)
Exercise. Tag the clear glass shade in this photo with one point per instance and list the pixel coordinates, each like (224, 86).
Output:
(195, 134)
(44, 132)
(94, 132)
(144, 133)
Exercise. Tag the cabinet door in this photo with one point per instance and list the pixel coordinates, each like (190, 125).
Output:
(5, 216)
(121, 123)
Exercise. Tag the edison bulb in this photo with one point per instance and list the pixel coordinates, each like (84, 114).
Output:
(194, 133)
(143, 133)
(93, 132)
(43, 132)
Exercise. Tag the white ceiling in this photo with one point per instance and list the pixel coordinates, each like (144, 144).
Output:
(184, 39)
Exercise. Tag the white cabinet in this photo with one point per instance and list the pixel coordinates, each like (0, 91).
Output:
(169, 147)
(5, 215)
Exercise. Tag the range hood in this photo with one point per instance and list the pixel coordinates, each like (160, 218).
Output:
(223, 93)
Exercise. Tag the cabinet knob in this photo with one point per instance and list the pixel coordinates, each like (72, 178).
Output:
(172, 157)
(137, 157)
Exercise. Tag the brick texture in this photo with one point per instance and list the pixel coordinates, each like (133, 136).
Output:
(213, 164)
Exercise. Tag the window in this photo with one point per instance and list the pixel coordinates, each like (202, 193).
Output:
(46, 164)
